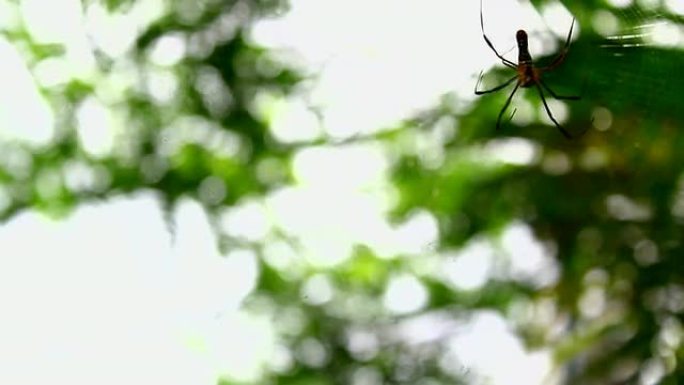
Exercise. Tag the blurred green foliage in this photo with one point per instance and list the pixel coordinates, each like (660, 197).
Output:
(612, 211)
(613, 214)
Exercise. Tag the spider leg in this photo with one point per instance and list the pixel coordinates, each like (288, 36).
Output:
(548, 112)
(561, 56)
(513, 114)
(479, 80)
(505, 61)
(559, 97)
(505, 106)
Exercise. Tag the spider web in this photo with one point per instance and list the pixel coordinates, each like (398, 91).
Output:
(633, 64)
(627, 58)
(638, 60)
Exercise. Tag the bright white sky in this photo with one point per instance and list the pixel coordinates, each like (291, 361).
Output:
(106, 297)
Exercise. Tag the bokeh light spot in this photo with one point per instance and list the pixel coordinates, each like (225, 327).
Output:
(405, 294)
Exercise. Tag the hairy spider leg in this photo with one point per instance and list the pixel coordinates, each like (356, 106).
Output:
(548, 112)
(556, 96)
(479, 80)
(505, 61)
(508, 102)
(561, 56)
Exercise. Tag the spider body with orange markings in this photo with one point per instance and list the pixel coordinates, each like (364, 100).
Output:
(527, 73)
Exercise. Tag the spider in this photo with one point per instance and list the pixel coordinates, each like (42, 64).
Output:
(528, 74)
